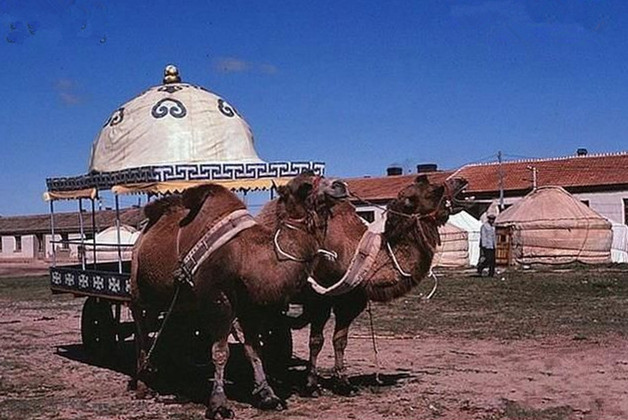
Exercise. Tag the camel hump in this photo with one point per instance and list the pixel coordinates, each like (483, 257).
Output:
(155, 209)
(193, 198)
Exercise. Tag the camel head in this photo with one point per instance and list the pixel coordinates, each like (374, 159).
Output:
(308, 195)
(425, 200)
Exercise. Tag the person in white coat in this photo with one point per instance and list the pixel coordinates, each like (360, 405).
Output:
(487, 246)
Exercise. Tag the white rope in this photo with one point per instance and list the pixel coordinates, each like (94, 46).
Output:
(281, 251)
(432, 275)
(329, 255)
(375, 351)
(394, 259)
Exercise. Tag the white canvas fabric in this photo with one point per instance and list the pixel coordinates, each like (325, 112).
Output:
(551, 226)
(454, 248)
(472, 226)
(106, 240)
(172, 124)
(619, 248)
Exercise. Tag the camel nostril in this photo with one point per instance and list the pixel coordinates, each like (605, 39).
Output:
(340, 189)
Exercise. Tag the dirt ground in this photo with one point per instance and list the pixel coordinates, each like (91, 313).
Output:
(530, 344)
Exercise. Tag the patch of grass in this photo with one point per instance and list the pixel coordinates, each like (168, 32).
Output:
(26, 288)
(526, 304)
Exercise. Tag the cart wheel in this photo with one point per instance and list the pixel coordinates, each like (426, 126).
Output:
(277, 345)
(98, 329)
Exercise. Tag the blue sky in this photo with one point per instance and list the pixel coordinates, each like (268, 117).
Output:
(359, 85)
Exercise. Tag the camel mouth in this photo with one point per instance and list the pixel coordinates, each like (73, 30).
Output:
(338, 190)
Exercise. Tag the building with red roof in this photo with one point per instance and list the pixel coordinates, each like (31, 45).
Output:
(600, 181)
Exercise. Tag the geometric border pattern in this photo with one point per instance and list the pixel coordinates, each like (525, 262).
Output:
(91, 283)
(184, 172)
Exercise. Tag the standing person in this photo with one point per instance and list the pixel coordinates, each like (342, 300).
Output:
(487, 246)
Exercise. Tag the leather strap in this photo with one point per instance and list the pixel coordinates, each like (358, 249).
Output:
(360, 265)
(219, 234)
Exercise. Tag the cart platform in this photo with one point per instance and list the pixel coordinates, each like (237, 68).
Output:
(101, 280)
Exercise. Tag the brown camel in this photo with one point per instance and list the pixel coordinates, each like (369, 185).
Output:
(253, 270)
(399, 259)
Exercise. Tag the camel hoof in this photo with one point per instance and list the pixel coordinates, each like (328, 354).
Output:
(311, 391)
(131, 385)
(342, 386)
(267, 400)
(219, 413)
(142, 391)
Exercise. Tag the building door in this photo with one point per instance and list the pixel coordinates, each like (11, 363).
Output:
(503, 249)
(38, 244)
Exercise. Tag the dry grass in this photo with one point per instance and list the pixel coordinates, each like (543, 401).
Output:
(525, 304)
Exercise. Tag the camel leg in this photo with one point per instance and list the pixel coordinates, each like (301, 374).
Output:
(218, 408)
(264, 396)
(320, 316)
(345, 315)
(142, 366)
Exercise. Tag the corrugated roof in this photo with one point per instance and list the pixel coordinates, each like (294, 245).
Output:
(592, 172)
(67, 222)
(568, 172)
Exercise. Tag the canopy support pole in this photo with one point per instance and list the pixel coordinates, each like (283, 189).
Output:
(82, 232)
(117, 200)
(94, 231)
(52, 232)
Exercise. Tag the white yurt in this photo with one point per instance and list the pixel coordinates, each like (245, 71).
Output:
(453, 250)
(472, 226)
(550, 226)
(107, 241)
(619, 247)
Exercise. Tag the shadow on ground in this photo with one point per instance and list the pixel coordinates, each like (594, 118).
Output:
(188, 380)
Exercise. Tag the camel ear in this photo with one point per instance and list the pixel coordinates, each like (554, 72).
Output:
(283, 191)
(421, 179)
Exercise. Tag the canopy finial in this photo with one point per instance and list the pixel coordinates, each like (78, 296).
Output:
(171, 74)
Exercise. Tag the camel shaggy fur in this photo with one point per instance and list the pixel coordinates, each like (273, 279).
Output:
(243, 278)
(402, 260)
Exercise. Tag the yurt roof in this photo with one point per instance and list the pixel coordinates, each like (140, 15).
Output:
(449, 229)
(170, 137)
(465, 221)
(551, 206)
(128, 235)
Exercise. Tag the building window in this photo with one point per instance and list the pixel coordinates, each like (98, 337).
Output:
(369, 216)
(65, 241)
(0, 243)
(39, 243)
(585, 202)
(18, 244)
(626, 211)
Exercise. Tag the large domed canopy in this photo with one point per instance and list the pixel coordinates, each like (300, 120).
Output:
(173, 136)
(172, 124)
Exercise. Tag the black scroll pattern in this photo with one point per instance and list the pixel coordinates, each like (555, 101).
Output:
(226, 109)
(115, 118)
(169, 106)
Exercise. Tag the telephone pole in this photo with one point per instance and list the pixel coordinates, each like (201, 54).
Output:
(500, 173)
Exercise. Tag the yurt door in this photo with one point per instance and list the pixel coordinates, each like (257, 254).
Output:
(503, 251)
